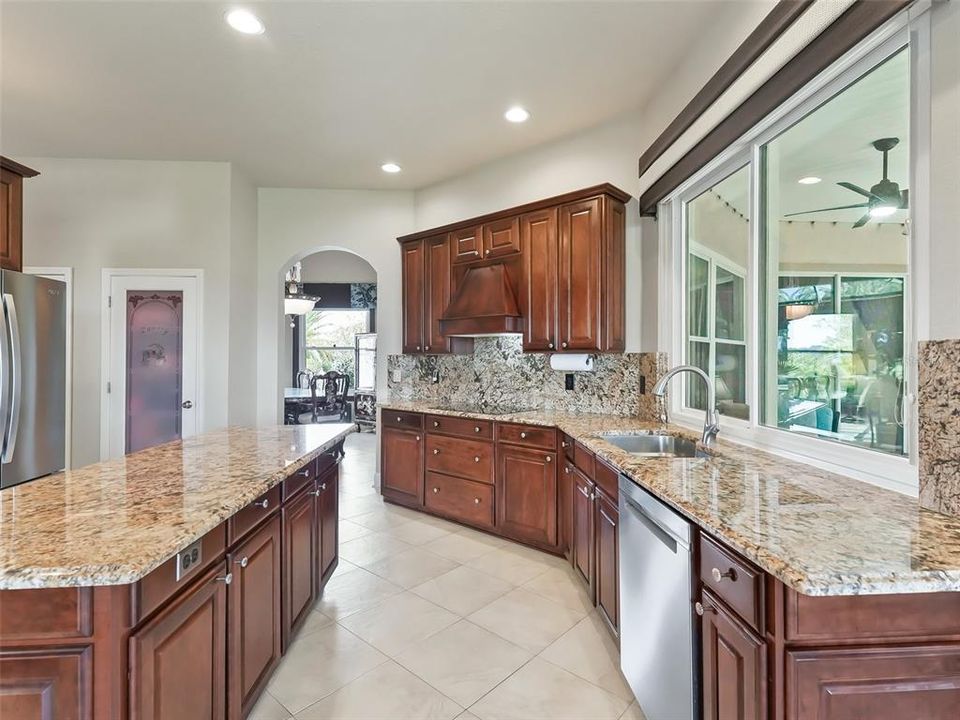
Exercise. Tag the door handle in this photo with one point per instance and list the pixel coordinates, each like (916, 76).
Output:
(16, 377)
(243, 562)
(586, 493)
(4, 373)
(226, 579)
(186, 404)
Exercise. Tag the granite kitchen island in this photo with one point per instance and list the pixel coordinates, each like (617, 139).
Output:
(169, 582)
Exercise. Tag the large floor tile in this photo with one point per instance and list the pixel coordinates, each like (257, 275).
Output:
(351, 506)
(268, 708)
(481, 537)
(388, 692)
(463, 590)
(542, 691)
(588, 650)
(351, 531)
(354, 591)
(463, 661)
(398, 622)
(319, 663)
(562, 586)
(509, 566)
(371, 548)
(633, 712)
(380, 520)
(412, 567)
(417, 532)
(526, 619)
(458, 547)
(316, 620)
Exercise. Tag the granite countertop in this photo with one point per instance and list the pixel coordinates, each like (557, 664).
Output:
(818, 532)
(113, 522)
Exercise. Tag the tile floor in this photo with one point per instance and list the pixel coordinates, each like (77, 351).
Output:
(426, 619)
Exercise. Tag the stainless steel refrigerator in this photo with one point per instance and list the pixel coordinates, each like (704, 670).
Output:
(33, 326)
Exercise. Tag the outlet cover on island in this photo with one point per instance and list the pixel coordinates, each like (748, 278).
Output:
(568, 381)
(396, 375)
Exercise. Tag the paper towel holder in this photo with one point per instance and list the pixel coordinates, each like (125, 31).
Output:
(573, 362)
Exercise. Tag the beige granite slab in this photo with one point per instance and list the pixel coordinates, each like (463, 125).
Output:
(939, 425)
(113, 522)
(818, 532)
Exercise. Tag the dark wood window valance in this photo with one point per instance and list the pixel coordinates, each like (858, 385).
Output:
(858, 21)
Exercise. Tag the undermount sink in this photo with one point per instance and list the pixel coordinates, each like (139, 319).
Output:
(653, 445)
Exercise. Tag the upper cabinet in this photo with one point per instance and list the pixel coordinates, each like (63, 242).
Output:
(564, 258)
(11, 212)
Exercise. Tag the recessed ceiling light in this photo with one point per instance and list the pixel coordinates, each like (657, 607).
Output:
(390, 168)
(517, 114)
(809, 180)
(245, 21)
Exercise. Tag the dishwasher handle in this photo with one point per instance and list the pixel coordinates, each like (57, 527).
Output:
(660, 532)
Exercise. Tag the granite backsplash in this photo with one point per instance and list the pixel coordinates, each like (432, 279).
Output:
(500, 375)
(939, 425)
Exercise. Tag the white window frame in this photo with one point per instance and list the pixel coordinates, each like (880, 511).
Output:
(912, 28)
(303, 336)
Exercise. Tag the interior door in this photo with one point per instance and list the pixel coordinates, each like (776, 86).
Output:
(152, 355)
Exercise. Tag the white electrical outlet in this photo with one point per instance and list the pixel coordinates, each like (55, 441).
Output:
(395, 375)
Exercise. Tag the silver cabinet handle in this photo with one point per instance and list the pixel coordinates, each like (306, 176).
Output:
(304, 473)
(265, 503)
(9, 310)
(323, 486)
(719, 576)
(316, 493)
(566, 470)
(243, 562)
(226, 579)
(436, 451)
(523, 435)
(549, 346)
(701, 609)
(585, 492)
(488, 251)
(549, 459)
(476, 501)
(476, 429)
(427, 348)
(563, 443)
(563, 344)
(436, 423)
(400, 419)
(418, 438)
(436, 490)
(476, 458)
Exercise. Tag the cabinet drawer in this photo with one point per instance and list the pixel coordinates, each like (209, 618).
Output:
(465, 500)
(606, 478)
(458, 456)
(298, 480)
(253, 514)
(400, 419)
(584, 460)
(527, 435)
(464, 427)
(466, 244)
(733, 580)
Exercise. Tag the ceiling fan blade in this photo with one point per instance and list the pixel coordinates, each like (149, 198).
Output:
(904, 199)
(858, 189)
(862, 221)
(839, 207)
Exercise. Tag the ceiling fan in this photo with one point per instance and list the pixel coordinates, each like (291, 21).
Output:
(883, 199)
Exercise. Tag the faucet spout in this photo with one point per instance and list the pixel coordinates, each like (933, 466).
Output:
(711, 421)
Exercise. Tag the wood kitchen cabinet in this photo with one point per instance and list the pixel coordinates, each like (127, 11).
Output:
(413, 280)
(538, 302)
(501, 237)
(254, 639)
(298, 519)
(401, 465)
(11, 213)
(427, 284)
(527, 494)
(584, 547)
(607, 568)
(178, 660)
(328, 533)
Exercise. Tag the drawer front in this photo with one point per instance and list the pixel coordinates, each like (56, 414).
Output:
(464, 427)
(253, 514)
(400, 419)
(733, 580)
(527, 435)
(466, 244)
(584, 460)
(606, 478)
(298, 480)
(68, 614)
(471, 459)
(465, 500)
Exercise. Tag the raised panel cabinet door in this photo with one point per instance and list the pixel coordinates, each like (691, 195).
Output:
(526, 485)
(466, 244)
(401, 465)
(328, 510)
(734, 666)
(412, 281)
(580, 275)
(298, 520)
(608, 561)
(613, 314)
(11, 221)
(565, 510)
(436, 294)
(48, 683)
(178, 667)
(538, 232)
(501, 237)
(254, 617)
(583, 536)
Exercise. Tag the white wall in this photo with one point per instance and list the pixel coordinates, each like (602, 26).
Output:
(242, 365)
(296, 223)
(94, 214)
(336, 266)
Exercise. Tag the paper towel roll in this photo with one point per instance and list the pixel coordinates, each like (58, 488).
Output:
(572, 362)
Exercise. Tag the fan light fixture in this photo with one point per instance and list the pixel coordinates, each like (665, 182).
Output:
(809, 180)
(881, 211)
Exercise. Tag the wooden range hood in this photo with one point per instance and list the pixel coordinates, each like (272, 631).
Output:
(485, 304)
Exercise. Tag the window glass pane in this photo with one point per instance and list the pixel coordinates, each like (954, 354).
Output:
(696, 392)
(731, 380)
(335, 328)
(698, 289)
(730, 301)
(834, 258)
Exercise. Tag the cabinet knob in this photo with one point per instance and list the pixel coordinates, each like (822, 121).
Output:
(436, 451)
(436, 490)
(418, 438)
(476, 501)
(436, 423)
(701, 609)
(399, 419)
(265, 503)
(549, 346)
(563, 443)
(477, 429)
(243, 562)
(549, 459)
(476, 458)
(304, 473)
(488, 251)
(476, 252)
(523, 435)
(563, 344)
(566, 470)
(427, 348)
(317, 492)
(323, 486)
(719, 576)
(418, 347)
(226, 579)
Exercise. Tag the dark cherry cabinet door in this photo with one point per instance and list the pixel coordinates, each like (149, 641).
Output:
(413, 280)
(526, 499)
(49, 683)
(565, 510)
(436, 293)
(613, 281)
(254, 617)
(538, 232)
(734, 666)
(466, 244)
(501, 237)
(178, 659)
(328, 511)
(583, 517)
(608, 560)
(298, 519)
(580, 275)
(401, 466)
(11, 221)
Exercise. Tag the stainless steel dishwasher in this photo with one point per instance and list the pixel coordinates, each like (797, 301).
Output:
(658, 637)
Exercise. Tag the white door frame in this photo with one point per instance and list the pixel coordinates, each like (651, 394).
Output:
(64, 275)
(106, 283)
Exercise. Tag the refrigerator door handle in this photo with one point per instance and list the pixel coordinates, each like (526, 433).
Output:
(4, 374)
(15, 359)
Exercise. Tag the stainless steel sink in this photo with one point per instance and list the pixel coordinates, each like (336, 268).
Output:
(651, 445)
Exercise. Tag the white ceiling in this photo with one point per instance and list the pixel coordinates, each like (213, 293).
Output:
(331, 90)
